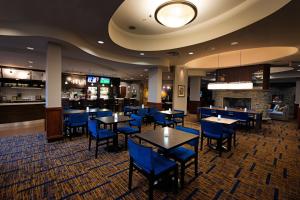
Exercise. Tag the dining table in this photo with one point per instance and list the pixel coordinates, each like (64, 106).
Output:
(166, 138)
(225, 122)
(114, 121)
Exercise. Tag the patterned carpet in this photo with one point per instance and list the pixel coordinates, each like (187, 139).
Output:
(264, 165)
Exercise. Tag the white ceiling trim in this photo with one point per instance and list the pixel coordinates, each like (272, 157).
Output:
(244, 14)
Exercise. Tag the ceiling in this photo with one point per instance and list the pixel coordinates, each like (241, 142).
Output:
(77, 27)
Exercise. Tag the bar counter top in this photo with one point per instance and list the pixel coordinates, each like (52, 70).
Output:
(22, 103)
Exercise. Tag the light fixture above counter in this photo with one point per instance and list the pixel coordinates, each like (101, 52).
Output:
(230, 86)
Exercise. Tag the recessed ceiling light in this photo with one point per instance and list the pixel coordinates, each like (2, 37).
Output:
(131, 78)
(234, 43)
(299, 65)
(298, 70)
(142, 75)
(212, 48)
(29, 61)
(191, 53)
(146, 70)
(142, 53)
(100, 42)
(30, 66)
(30, 48)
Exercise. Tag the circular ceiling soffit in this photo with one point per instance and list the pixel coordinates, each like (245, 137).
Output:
(175, 14)
(241, 57)
(214, 18)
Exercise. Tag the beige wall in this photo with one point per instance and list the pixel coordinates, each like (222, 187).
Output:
(53, 76)
(155, 85)
(181, 78)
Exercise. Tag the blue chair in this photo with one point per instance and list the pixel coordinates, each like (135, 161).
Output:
(160, 119)
(127, 111)
(205, 112)
(77, 120)
(151, 113)
(179, 118)
(134, 127)
(98, 135)
(243, 118)
(184, 155)
(215, 131)
(150, 164)
(104, 113)
(143, 113)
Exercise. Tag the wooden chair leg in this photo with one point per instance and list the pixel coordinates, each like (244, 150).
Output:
(96, 153)
(201, 142)
(151, 186)
(90, 142)
(176, 180)
(219, 146)
(182, 170)
(154, 125)
(130, 174)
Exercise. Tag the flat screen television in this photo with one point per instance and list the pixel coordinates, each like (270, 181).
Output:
(104, 80)
(92, 79)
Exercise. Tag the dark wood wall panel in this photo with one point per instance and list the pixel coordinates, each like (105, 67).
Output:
(157, 105)
(54, 123)
(21, 113)
(193, 106)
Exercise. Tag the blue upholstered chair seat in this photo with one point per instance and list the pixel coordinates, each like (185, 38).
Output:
(182, 154)
(160, 164)
(216, 136)
(74, 124)
(166, 122)
(128, 130)
(103, 134)
(177, 120)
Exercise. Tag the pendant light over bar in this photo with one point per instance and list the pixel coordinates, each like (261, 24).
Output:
(175, 14)
(230, 86)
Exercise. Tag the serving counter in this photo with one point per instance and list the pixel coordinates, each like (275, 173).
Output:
(21, 111)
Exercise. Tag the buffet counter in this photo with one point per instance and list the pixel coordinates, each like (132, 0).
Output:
(21, 111)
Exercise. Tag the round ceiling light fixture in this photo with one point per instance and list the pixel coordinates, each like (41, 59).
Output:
(175, 14)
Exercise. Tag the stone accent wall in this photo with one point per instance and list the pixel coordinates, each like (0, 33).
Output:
(288, 96)
(260, 99)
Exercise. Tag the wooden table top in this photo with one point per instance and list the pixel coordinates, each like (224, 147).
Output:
(172, 112)
(233, 110)
(167, 138)
(222, 120)
(113, 119)
(78, 111)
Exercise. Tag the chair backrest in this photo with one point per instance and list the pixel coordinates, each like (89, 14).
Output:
(92, 126)
(205, 111)
(142, 112)
(159, 117)
(241, 115)
(192, 131)
(78, 117)
(137, 120)
(141, 155)
(179, 115)
(153, 110)
(211, 127)
(104, 114)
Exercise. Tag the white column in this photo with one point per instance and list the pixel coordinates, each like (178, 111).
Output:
(195, 88)
(53, 76)
(155, 85)
(181, 79)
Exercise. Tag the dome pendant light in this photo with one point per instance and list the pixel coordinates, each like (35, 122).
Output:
(175, 14)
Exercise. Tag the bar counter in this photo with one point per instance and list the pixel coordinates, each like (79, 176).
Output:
(21, 111)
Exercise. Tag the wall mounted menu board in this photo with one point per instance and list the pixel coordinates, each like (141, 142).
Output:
(16, 73)
(73, 80)
(104, 80)
(92, 79)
